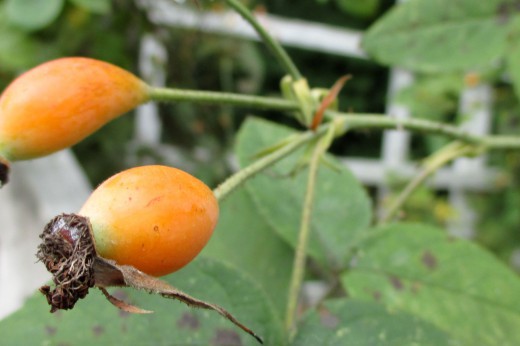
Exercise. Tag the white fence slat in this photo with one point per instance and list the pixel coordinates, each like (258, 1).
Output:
(38, 190)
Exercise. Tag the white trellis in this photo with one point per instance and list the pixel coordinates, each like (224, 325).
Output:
(464, 175)
(43, 188)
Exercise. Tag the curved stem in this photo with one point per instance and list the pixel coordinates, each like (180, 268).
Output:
(274, 45)
(436, 161)
(303, 240)
(379, 121)
(237, 179)
(216, 97)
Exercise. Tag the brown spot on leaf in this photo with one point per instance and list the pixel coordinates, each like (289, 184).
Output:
(506, 9)
(188, 321)
(429, 260)
(98, 330)
(327, 319)
(49, 330)
(376, 295)
(226, 337)
(396, 282)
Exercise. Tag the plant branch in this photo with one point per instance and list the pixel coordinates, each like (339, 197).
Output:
(379, 121)
(353, 121)
(274, 45)
(237, 179)
(432, 164)
(303, 240)
(222, 98)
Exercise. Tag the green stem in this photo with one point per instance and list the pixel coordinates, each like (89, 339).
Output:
(379, 121)
(237, 179)
(274, 45)
(354, 121)
(303, 240)
(436, 161)
(223, 98)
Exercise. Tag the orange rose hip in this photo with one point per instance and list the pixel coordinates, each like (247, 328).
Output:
(57, 104)
(155, 218)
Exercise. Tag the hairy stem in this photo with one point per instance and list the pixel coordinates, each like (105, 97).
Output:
(354, 121)
(223, 98)
(436, 161)
(382, 122)
(303, 240)
(237, 179)
(274, 45)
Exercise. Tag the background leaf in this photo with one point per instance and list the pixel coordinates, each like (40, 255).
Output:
(33, 14)
(96, 6)
(244, 239)
(359, 8)
(354, 322)
(95, 321)
(341, 206)
(418, 34)
(451, 283)
(513, 55)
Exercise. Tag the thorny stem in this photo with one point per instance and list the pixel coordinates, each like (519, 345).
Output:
(274, 45)
(237, 179)
(303, 240)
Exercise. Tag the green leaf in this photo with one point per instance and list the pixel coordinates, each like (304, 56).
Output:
(451, 283)
(359, 8)
(244, 239)
(513, 55)
(95, 6)
(17, 50)
(341, 209)
(431, 36)
(33, 14)
(355, 322)
(95, 321)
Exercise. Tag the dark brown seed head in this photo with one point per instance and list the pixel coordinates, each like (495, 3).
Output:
(4, 171)
(68, 252)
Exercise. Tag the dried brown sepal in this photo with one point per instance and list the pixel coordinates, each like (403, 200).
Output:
(331, 96)
(123, 305)
(4, 171)
(68, 253)
(108, 274)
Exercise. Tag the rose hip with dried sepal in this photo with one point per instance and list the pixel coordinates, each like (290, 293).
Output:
(149, 220)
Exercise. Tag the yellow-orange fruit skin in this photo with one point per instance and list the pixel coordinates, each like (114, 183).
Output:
(57, 104)
(155, 218)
